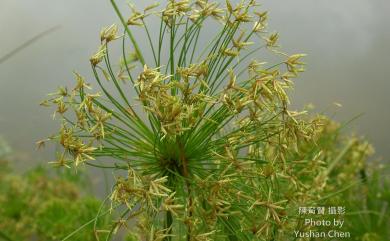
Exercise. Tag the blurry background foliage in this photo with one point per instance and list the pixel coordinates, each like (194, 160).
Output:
(46, 207)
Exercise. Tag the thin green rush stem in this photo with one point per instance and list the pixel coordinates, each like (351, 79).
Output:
(126, 65)
(172, 54)
(222, 138)
(115, 114)
(152, 119)
(115, 226)
(86, 224)
(125, 134)
(123, 96)
(240, 73)
(216, 114)
(191, 132)
(226, 41)
(112, 99)
(215, 46)
(211, 106)
(107, 60)
(194, 28)
(254, 141)
(219, 37)
(211, 53)
(215, 38)
(169, 222)
(121, 132)
(126, 152)
(107, 189)
(192, 36)
(122, 151)
(213, 129)
(189, 32)
(127, 140)
(116, 166)
(160, 40)
(175, 45)
(138, 122)
(183, 48)
(150, 41)
(113, 78)
(246, 39)
(132, 144)
(218, 50)
(195, 45)
(28, 43)
(339, 191)
(97, 216)
(128, 31)
(221, 69)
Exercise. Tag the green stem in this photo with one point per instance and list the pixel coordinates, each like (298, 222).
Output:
(131, 36)
(150, 42)
(116, 225)
(86, 224)
(168, 225)
(172, 55)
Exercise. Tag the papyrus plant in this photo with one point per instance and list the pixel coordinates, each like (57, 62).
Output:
(203, 130)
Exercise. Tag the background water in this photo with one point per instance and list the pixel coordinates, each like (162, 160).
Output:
(347, 42)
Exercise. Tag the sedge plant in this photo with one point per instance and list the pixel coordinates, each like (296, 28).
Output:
(203, 131)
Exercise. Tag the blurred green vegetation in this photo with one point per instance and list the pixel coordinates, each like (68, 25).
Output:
(40, 206)
(354, 181)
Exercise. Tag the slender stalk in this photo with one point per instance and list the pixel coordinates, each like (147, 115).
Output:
(150, 41)
(128, 31)
(168, 225)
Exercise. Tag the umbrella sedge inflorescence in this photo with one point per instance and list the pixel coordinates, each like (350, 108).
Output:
(204, 131)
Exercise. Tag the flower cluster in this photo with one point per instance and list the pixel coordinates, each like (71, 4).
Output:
(210, 146)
